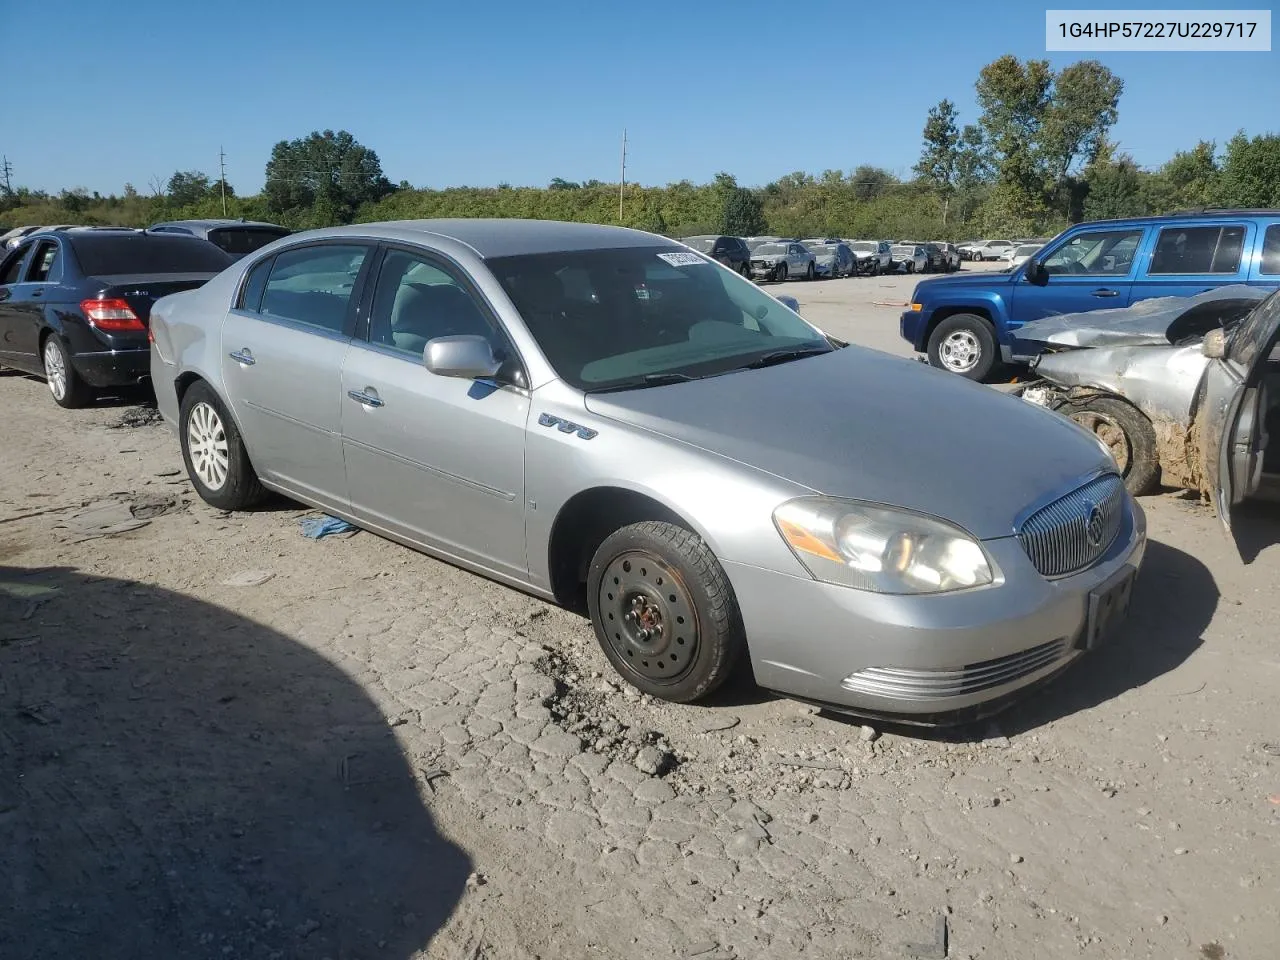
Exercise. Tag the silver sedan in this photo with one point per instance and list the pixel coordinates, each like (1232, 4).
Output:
(608, 420)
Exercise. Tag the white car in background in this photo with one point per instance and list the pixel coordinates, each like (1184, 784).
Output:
(1022, 253)
(910, 257)
(873, 256)
(987, 249)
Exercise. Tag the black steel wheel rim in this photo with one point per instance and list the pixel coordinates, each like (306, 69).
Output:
(648, 616)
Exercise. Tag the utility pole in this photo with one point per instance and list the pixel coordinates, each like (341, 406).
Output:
(222, 179)
(622, 181)
(6, 170)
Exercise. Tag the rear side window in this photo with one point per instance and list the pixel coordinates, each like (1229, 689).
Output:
(1271, 251)
(254, 284)
(1198, 250)
(137, 253)
(314, 285)
(242, 240)
(45, 266)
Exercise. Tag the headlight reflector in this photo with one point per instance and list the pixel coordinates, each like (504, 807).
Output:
(880, 549)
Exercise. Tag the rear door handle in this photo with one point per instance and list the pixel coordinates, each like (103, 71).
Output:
(38, 293)
(368, 396)
(243, 356)
(1104, 292)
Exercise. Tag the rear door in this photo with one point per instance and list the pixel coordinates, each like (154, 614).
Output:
(1234, 405)
(1089, 270)
(1186, 260)
(282, 352)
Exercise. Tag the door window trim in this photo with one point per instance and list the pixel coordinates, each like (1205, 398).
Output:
(354, 303)
(459, 273)
(1143, 237)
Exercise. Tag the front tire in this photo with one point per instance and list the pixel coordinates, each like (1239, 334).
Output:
(214, 453)
(65, 385)
(780, 274)
(1129, 434)
(664, 612)
(965, 344)
(810, 271)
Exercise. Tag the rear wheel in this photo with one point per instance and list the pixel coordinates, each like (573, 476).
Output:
(216, 459)
(65, 385)
(1130, 435)
(965, 344)
(664, 612)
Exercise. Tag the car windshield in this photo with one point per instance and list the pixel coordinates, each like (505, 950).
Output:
(863, 246)
(821, 249)
(701, 244)
(1026, 250)
(616, 318)
(904, 248)
(771, 249)
(105, 255)
(242, 240)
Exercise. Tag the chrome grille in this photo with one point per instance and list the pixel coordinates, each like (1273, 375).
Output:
(901, 684)
(1075, 530)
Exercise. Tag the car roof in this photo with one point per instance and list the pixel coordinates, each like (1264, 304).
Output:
(214, 224)
(1203, 214)
(499, 237)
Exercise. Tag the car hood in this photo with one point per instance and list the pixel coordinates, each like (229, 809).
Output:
(857, 423)
(961, 281)
(767, 257)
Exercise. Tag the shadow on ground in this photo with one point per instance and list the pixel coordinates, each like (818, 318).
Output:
(179, 781)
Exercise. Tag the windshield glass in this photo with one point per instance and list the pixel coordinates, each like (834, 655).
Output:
(107, 254)
(1026, 250)
(754, 245)
(604, 318)
(701, 244)
(863, 246)
(771, 249)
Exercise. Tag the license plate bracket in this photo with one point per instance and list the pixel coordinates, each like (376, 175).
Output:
(1108, 608)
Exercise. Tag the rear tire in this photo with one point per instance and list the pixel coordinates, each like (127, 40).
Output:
(664, 612)
(217, 462)
(1127, 431)
(65, 385)
(963, 343)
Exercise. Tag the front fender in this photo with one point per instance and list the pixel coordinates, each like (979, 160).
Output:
(993, 304)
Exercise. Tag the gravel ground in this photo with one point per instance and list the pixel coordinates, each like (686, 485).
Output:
(221, 739)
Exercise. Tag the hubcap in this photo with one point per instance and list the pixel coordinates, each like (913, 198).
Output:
(207, 445)
(55, 371)
(960, 351)
(648, 616)
(1109, 432)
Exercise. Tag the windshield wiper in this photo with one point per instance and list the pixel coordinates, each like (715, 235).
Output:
(784, 356)
(648, 380)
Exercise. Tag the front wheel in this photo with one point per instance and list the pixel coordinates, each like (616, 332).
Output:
(1129, 434)
(214, 453)
(963, 344)
(65, 385)
(810, 271)
(664, 612)
(745, 269)
(911, 266)
(780, 274)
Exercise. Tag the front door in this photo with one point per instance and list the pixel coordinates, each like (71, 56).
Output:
(11, 307)
(1235, 404)
(1091, 270)
(282, 354)
(437, 460)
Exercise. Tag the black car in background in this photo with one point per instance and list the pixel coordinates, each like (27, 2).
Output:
(236, 237)
(937, 258)
(731, 251)
(74, 304)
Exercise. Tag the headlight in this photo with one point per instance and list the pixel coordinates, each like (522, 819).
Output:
(880, 549)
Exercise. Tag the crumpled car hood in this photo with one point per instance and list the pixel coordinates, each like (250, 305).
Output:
(857, 423)
(769, 257)
(1158, 320)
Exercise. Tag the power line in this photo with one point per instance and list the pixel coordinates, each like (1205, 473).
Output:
(6, 169)
(622, 179)
(222, 179)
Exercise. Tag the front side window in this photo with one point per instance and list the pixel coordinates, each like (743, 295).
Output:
(11, 268)
(314, 285)
(1096, 253)
(1197, 250)
(612, 318)
(417, 300)
(45, 266)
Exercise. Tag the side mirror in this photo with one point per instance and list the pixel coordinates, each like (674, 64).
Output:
(790, 303)
(1214, 345)
(1036, 273)
(467, 357)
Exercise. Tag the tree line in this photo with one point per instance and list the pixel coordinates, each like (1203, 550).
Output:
(1037, 157)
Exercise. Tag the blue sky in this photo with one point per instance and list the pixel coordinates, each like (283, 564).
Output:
(481, 93)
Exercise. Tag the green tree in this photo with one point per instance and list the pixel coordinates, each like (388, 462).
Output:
(1082, 109)
(1250, 172)
(187, 187)
(870, 182)
(330, 172)
(940, 156)
(1188, 179)
(743, 214)
(1114, 189)
(559, 183)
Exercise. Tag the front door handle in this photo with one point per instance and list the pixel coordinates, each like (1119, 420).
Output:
(1104, 292)
(38, 293)
(243, 356)
(368, 396)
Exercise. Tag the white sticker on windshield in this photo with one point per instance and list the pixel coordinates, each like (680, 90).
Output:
(681, 259)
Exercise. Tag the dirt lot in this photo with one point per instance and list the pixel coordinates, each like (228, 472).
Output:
(221, 739)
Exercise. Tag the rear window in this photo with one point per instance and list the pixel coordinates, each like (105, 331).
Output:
(1198, 250)
(242, 240)
(146, 253)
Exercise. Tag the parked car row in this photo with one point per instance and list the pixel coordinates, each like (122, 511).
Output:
(789, 258)
(560, 407)
(236, 237)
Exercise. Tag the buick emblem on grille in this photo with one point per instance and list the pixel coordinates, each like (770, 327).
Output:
(1095, 527)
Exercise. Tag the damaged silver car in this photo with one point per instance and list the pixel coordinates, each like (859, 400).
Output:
(1184, 390)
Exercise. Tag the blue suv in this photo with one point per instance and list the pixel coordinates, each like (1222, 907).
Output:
(965, 323)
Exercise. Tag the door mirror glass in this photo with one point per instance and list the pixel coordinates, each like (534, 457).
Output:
(1214, 345)
(465, 356)
(1036, 273)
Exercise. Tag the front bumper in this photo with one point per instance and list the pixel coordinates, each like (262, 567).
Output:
(764, 271)
(924, 659)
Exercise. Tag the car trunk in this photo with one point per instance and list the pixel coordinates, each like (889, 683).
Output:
(142, 290)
